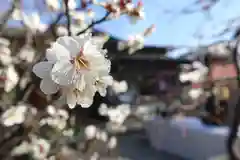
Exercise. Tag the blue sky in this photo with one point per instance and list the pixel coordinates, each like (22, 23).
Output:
(171, 29)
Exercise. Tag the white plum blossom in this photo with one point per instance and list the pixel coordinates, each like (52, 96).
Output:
(40, 148)
(5, 53)
(57, 118)
(82, 69)
(12, 78)
(103, 109)
(21, 149)
(120, 87)
(53, 5)
(90, 132)
(43, 70)
(17, 14)
(135, 13)
(27, 54)
(195, 93)
(134, 43)
(112, 143)
(14, 115)
(102, 135)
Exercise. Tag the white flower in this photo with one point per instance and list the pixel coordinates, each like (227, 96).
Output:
(135, 13)
(72, 4)
(133, 44)
(195, 93)
(68, 133)
(53, 5)
(90, 132)
(27, 53)
(120, 87)
(14, 115)
(33, 23)
(43, 70)
(125, 109)
(23, 148)
(12, 78)
(40, 148)
(5, 55)
(17, 14)
(75, 96)
(81, 59)
(116, 116)
(112, 143)
(58, 118)
(103, 109)
(101, 135)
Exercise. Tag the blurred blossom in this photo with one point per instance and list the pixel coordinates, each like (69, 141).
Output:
(135, 13)
(17, 15)
(136, 42)
(40, 148)
(12, 78)
(95, 156)
(33, 22)
(120, 87)
(112, 143)
(90, 132)
(57, 119)
(68, 132)
(23, 148)
(103, 109)
(14, 115)
(53, 5)
(27, 53)
(5, 53)
(101, 135)
(195, 93)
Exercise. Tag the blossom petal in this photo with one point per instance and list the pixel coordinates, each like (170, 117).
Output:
(63, 73)
(57, 52)
(80, 83)
(47, 86)
(42, 69)
(70, 44)
(71, 100)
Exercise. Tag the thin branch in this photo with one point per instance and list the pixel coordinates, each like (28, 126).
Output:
(8, 14)
(52, 26)
(68, 17)
(94, 23)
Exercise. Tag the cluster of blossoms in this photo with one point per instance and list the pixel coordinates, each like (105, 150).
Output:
(78, 67)
(135, 42)
(197, 76)
(119, 87)
(92, 132)
(9, 75)
(117, 115)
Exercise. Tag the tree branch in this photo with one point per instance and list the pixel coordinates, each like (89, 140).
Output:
(68, 17)
(94, 23)
(8, 14)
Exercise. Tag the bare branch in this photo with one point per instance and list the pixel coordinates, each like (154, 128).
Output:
(68, 17)
(94, 23)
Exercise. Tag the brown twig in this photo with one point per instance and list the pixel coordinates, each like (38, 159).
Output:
(8, 14)
(68, 18)
(94, 23)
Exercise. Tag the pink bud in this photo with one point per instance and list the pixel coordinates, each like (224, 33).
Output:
(140, 3)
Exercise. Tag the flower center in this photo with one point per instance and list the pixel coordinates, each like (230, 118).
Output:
(80, 62)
